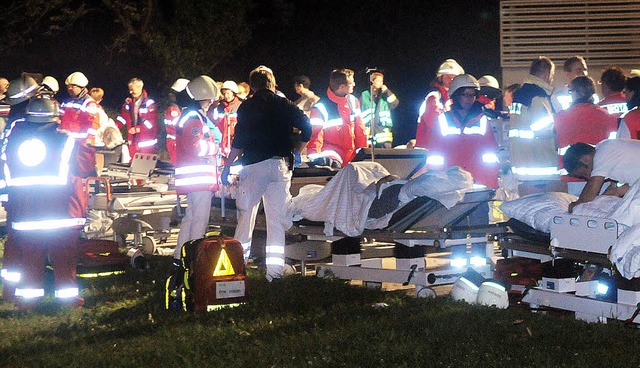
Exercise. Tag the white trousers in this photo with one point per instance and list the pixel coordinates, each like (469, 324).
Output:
(268, 181)
(195, 222)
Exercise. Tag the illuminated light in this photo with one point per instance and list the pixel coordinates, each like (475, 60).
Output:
(490, 158)
(458, 262)
(149, 143)
(602, 288)
(478, 261)
(542, 123)
(67, 293)
(29, 293)
(521, 133)
(47, 224)
(224, 266)
(213, 308)
(10, 276)
(32, 152)
(435, 160)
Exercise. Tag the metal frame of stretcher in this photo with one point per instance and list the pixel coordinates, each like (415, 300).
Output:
(136, 209)
(583, 239)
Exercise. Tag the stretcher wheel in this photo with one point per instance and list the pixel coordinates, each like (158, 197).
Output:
(148, 245)
(426, 292)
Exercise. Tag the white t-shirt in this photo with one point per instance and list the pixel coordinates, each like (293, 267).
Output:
(617, 159)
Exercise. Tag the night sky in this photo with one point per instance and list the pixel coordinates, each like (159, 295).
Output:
(406, 39)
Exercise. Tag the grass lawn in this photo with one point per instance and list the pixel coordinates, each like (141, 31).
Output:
(300, 322)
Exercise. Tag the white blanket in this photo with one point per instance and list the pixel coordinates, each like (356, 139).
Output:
(345, 201)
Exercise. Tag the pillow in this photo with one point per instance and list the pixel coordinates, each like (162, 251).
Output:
(537, 210)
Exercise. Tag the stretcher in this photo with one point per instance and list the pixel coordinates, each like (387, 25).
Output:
(585, 241)
(138, 200)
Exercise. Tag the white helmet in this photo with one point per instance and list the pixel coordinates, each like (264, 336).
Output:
(261, 68)
(77, 78)
(450, 66)
(463, 81)
(489, 81)
(180, 84)
(491, 293)
(466, 287)
(634, 73)
(51, 83)
(230, 85)
(202, 88)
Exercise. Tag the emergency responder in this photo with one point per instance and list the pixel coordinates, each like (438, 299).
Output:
(338, 131)
(630, 121)
(436, 101)
(489, 92)
(612, 84)
(582, 122)
(44, 187)
(612, 161)
(4, 103)
(20, 92)
(81, 117)
(533, 150)
(377, 103)
(172, 114)
(49, 87)
(263, 144)
(463, 137)
(140, 117)
(225, 115)
(573, 67)
(308, 98)
(196, 173)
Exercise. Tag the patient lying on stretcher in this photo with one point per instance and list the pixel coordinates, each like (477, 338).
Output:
(364, 195)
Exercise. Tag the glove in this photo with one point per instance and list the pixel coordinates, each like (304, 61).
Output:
(224, 177)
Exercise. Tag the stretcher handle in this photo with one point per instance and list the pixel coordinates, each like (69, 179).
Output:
(91, 179)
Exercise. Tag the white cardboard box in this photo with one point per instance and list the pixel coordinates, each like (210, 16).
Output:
(559, 285)
(628, 297)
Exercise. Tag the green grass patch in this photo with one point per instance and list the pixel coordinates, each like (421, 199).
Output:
(299, 322)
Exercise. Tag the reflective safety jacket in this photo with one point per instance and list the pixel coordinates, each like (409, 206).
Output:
(630, 124)
(436, 102)
(42, 179)
(532, 142)
(81, 118)
(142, 115)
(582, 122)
(171, 117)
(225, 117)
(196, 150)
(378, 111)
(337, 128)
(615, 104)
(468, 143)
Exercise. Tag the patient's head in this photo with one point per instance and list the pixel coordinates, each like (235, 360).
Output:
(112, 137)
(578, 160)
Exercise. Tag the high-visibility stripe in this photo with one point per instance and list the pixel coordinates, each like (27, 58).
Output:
(435, 160)
(194, 169)
(47, 224)
(535, 171)
(29, 293)
(149, 143)
(542, 123)
(10, 276)
(45, 180)
(565, 101)
(521, 133)
(67, 293)
(196, 180)
(490, 158)
(616, 108)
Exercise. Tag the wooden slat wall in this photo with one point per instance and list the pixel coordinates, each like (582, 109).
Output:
(604, 32)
